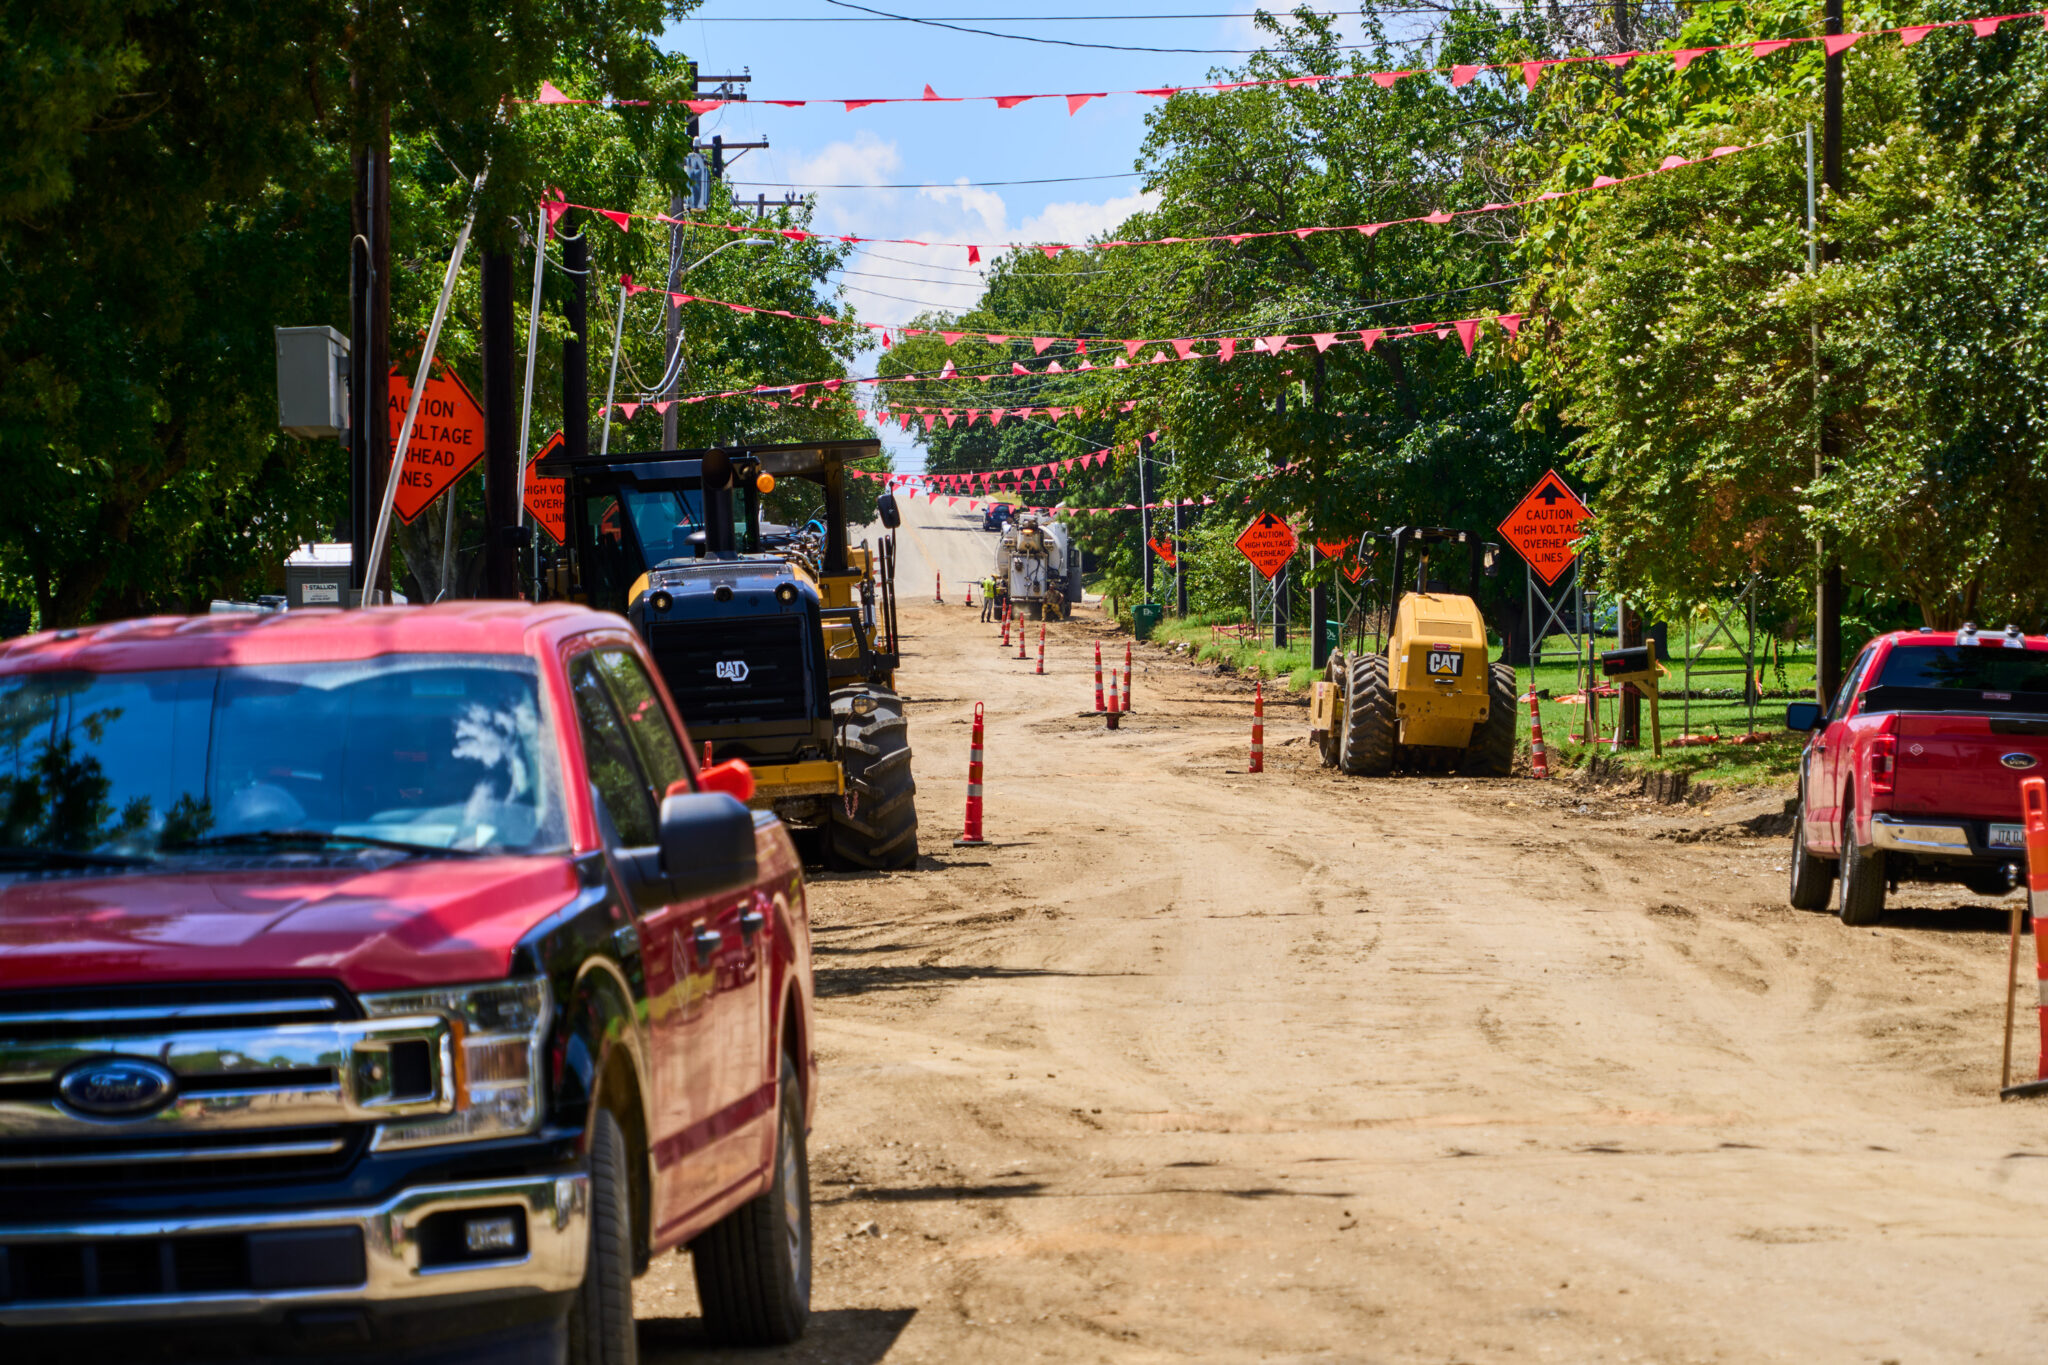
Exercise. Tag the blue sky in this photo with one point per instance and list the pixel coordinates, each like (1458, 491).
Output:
(948, 144)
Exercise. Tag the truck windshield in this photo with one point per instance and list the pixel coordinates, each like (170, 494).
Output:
(1968, 668)
(441, 751)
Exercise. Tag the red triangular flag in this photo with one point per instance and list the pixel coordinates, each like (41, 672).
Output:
(1468, 328)
(1038, 345)
(622, 221)
(1074, 102)
(1226, 347)
(1683, 58)
(550, 95)
(1511, 321)
(1838, 43)
(1325, 340)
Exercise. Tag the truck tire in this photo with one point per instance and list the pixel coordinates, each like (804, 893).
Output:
(1813, 877)
(1862, 896)
(1329, 747)
(754, 1265)
(601, 1317)
(880, 829)
(1492, 751)
(1366, 746)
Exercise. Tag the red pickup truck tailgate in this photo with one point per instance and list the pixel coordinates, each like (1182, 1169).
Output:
(1967, 767)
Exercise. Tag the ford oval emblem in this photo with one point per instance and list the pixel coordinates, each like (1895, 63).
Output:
(2018, 760)
(117, 1087)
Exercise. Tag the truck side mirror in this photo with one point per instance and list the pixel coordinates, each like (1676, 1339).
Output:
(707, 844)
(885, 507)
(1489, 559)
(1803, 716)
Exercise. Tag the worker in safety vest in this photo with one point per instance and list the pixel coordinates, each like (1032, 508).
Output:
(988, 597)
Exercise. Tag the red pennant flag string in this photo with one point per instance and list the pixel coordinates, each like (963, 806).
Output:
(1460, 74)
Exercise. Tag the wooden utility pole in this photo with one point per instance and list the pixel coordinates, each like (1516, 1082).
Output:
(576, 348)
(369, 322)
(1827, 629)
(501, 431)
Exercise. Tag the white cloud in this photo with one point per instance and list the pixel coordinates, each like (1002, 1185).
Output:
(1077, 222)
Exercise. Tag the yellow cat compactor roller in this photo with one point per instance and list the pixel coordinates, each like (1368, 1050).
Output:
(1431, 700)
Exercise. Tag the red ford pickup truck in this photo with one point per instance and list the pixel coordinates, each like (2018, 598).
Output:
(1914, 773)
(388, 984)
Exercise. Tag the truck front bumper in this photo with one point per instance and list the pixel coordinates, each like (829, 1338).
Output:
(413, 1247)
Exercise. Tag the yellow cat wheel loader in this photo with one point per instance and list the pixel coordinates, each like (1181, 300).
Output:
(777, 643)
(1430, 701)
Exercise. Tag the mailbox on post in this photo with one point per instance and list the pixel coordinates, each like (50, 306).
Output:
(1637, 667)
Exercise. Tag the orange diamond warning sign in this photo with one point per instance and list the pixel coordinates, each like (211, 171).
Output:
(546, 498)
(1268, 543)
(1545, 527)
(447, 438)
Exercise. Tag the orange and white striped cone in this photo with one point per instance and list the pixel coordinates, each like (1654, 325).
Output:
(1539, 761)
(2034, 828)
(1258, 728)
(1006, 627)
(939, 589)
(970, 833)
(1098, 676)
(970, 592)
(1020, 641)
(1129, 692)
(1041, 647)
(1115, 711)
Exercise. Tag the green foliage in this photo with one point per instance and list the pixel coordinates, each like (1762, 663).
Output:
(1679, 319)
(177, 183)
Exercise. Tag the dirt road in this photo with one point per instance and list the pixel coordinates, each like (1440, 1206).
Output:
(1195, 1065)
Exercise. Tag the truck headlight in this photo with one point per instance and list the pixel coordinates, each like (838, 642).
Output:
(500, 1027)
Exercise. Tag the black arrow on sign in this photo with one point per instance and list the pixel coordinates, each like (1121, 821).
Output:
(1550, 493)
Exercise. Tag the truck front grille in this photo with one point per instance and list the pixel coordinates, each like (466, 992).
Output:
(259, 1081)
(727, 672)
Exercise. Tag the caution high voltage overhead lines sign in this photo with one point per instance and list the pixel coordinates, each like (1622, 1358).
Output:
(1546, 527)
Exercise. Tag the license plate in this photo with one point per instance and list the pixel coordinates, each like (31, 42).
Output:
(2008, 836)
(1446, 663)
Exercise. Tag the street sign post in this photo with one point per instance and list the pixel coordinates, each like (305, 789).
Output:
(447, 438)
(1268, 543)
(1545, 529)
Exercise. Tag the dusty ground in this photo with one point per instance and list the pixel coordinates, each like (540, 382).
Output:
(1190, 1064)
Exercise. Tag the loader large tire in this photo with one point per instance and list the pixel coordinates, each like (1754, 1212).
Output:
(1366, 743)
(880, 829)
(1492, 751)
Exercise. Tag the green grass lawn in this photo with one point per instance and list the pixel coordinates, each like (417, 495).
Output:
(1716, 706)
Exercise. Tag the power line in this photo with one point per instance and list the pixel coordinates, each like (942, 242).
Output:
(1069, 42)
(937, 185)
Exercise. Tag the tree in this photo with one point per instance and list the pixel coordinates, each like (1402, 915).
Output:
(1679, 318)
(178, 184)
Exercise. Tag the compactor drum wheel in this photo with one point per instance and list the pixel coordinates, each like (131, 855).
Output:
(1365, 746)
(1492, 751)
(1336, 673)
(875, 824)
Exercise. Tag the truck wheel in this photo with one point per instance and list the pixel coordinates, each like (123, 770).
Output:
(1862, 898)
(881, 829)
(1329, 746)
(754, 1265)
(1492, 751)
(601, 1317)
(1813, 877)
(1366, 747)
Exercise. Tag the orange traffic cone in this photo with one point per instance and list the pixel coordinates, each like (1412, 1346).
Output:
(1258, 728)
(970, 832)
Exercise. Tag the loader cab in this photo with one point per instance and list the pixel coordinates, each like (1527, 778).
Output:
(778, 644)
